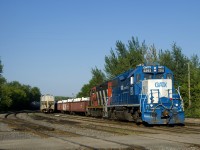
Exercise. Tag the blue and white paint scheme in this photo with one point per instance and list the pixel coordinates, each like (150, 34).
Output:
(146, 93)
(158, 103)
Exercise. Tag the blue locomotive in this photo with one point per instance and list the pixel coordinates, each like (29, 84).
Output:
(144, 94)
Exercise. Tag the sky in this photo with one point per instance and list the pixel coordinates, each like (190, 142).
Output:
(54, 44)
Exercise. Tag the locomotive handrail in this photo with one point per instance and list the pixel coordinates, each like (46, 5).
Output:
(168, 96)
(142, 98)
(140, 88)
(178, 91)
(159, 99)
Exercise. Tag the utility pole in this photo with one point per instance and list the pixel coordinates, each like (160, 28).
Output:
(189, 96)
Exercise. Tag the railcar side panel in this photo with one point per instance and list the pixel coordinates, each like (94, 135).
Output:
(78, 106)
(59, 106)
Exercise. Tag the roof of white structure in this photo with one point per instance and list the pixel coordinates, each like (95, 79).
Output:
(74, 100)
(64, 101)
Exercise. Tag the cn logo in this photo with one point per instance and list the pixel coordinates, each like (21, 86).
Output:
(161, 84)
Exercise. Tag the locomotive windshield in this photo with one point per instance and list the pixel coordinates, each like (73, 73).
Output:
(159, 76)
(156, 76)
(148, 76)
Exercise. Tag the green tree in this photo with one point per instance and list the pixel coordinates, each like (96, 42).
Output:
(6, 100)
(166, 58)
(98, 77)
(194, 110)
(1, 81)
(35, 94)
(85, 91)
(19, 95)
(1, 68)
(125, 57)
(57, 98)
(151, 55)
(180, 63)
(14, 95)
(177, 62)
(3, 103)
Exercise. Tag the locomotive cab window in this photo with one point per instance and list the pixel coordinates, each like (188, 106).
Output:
(138, 78)
(169, 76)
(148, 76)
(92, 91)
(159, 76)
(131, 80)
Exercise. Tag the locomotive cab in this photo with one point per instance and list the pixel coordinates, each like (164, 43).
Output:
(159, 102)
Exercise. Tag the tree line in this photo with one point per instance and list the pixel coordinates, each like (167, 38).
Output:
(126, 56)
(16, 96)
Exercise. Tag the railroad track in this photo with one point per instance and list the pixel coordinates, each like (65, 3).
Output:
(67, 127)
(93, 120)
(130, 128)
(21, 124)
(106, 127)
(163, 128)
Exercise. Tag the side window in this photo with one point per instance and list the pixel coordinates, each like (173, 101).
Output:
(169, 76)
(131, 80)
(92, 92)
(137, 77)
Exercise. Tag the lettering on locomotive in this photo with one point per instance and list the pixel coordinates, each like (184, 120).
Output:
(161, 84)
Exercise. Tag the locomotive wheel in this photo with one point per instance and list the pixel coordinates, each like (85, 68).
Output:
(113, 115)
(136, 117)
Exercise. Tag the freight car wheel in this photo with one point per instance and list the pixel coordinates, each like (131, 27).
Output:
(86, 114)
(72, 113)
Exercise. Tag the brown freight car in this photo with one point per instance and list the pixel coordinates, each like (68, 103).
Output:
(67, 105)
(79, 105)
(59, 106)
